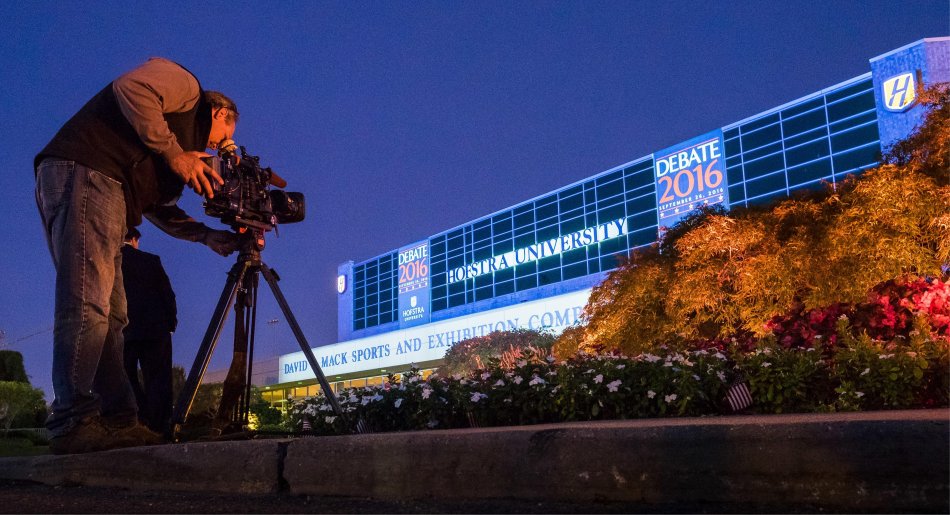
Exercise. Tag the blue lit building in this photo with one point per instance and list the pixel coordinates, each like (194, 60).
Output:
(533, 264)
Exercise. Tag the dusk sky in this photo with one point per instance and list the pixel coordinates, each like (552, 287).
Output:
(399, 120)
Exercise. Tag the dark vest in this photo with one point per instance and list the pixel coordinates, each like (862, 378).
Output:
(100, 137)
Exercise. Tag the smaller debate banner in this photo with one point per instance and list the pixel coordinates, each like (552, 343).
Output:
(414, 288)
(690, 175)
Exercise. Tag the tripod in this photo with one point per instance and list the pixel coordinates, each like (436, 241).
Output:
(241, 289)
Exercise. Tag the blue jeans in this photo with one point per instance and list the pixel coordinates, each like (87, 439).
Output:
(83, 213)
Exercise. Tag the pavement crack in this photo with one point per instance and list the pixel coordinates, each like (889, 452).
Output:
(282, 484)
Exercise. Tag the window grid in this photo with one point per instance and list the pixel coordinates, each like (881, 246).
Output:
(797, 144)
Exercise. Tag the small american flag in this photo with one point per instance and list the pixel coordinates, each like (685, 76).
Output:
(738, 397)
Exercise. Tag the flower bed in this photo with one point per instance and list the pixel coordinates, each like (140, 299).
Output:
(860, 374)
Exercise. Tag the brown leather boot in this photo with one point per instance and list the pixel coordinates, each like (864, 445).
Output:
(90, 435)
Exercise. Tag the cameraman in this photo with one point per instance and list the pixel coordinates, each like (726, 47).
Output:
(130, 150)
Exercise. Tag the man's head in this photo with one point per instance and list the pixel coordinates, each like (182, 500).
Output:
(224, 117)
(132, 237)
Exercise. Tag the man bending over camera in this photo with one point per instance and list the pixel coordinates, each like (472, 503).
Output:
(129, 151)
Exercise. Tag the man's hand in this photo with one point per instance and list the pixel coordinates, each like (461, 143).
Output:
(222, 242)
(194, 172)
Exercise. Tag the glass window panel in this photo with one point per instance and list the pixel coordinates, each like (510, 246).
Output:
(546, 211)
(524, 241)
(504, 288)
(806, 137)
(572, 202)
(731, 133)
(851, 107)
(526, 269)
(589, 197)
(456, 288)
(640, 204)
(613, 245)
(526, 283)
(611, 213)
(805, 153)
(771, 197)
(810, 172)
(645, 219)
(761, 137)
(524, 219)
(549, 277)
(593, 266)
(609, 262)
(766, 184)
(609, 189)
(439, 304)
(484, 280)
(733, 148)
(862, 157)
(547, 233)
(847, 91)
(638, 180)
(759, 123)
(736, 193)
(549, 263)
(503, 247)
(763, 151)
(505, 275)
(574, 256)
(610, 177)
(501, 225)
(484, 293)
(570, 226)
(806, 122)
(385, 317)
(764, 166)
(854, 121)
(457, 300)
(482, 232)
(734, 174)
(854, 138)
(804, 106)
(575, 270)
(642, 237)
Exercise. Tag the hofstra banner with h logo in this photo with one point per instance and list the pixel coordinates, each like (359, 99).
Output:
(431, 341)
(414, 284)
(552, 247)
(690, 175)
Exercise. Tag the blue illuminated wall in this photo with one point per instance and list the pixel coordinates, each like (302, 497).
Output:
(804, 144)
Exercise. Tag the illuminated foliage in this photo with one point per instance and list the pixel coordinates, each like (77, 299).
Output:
(725, 275)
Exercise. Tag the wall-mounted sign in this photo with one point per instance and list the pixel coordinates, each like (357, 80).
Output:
(431, 341)
(413, 284)
(900, 92)
(340, 283)
(552, 247)
(690, 175)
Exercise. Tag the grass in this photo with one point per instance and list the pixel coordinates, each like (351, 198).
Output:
(13, 445)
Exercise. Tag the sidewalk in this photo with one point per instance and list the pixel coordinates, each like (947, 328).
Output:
(881, 461)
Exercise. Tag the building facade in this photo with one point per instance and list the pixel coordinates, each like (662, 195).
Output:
(532, 265)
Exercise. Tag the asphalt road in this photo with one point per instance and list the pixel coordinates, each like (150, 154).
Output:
(27, 497)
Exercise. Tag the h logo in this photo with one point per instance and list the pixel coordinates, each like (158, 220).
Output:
(900, 92)
(413, 301)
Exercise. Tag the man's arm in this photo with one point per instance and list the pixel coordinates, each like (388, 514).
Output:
(146, 93)
(172, 220)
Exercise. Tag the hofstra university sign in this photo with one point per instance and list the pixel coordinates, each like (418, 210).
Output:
(552, 247)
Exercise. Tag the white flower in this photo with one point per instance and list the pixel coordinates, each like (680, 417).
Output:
(517, 380)
(499, 383)
(859, 394)
(621, 367)
(599, 378)
(696, 377)
(866, 371)
(432, 423)
(766, 364)
(651, 394)
(486, 375)
(670, 398)
(478, 396)
(668, 364)
(536, 380)
(522, 363)
(426, 392)
(550, 359)
(414, 379)
(613, 385)
(330, 419)
(886, 356)
(457, 377)
(721, 375)
(589, 371)
(397, 403)
(650, 358)
(366, 400)
(719, 355)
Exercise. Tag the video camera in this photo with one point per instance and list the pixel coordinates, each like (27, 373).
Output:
(245, 200)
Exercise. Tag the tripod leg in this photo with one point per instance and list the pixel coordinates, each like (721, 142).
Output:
(301, 340)
(188, 391)
(229, 409)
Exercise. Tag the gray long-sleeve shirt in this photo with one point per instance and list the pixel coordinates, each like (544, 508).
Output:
(144, 94)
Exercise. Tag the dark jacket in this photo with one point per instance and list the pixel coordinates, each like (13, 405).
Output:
(151, 301)
(100, 137)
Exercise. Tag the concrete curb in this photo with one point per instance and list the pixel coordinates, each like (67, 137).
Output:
(890, 461)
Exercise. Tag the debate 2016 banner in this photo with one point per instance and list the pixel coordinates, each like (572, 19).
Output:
(689, 175)
(414, 284)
